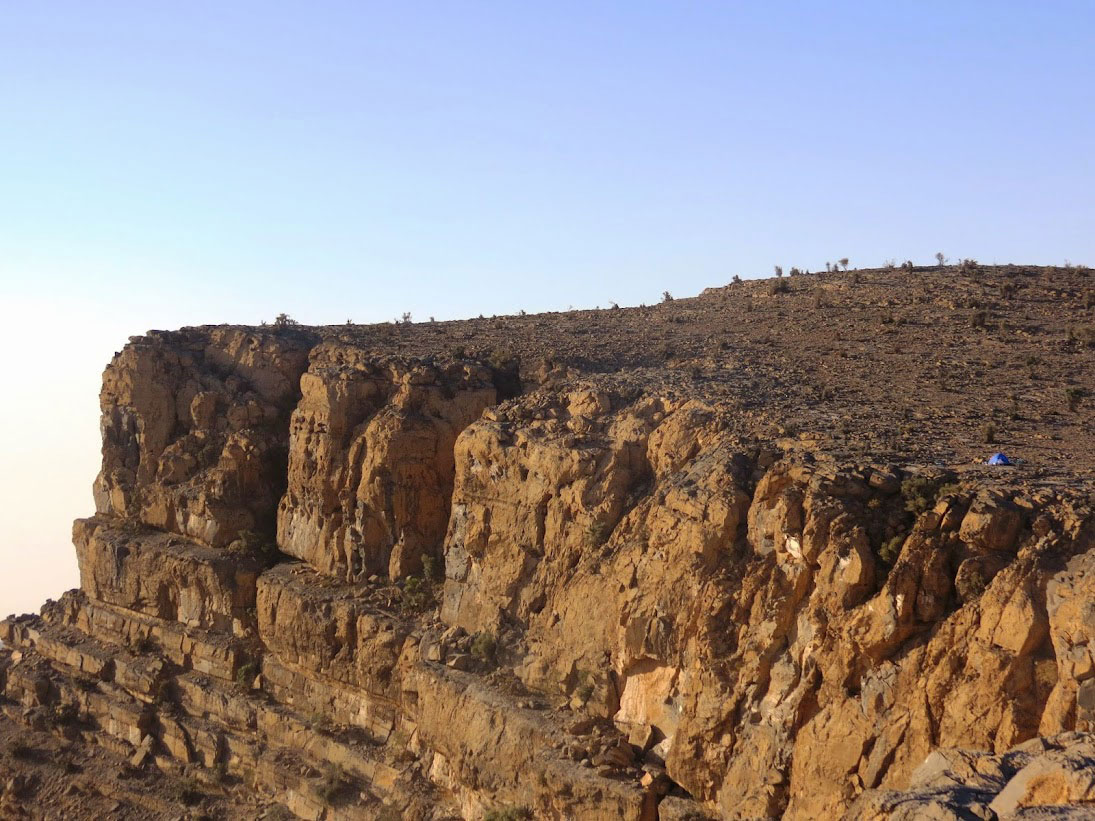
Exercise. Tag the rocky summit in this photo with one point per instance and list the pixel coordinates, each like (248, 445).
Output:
(736, 556)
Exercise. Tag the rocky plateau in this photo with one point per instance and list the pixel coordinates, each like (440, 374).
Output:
(737, 556)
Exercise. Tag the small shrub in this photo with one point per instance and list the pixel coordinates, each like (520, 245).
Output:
(1074, 396)
(597, 534)
(736, 280)
(417, 595)
(979, 319)
(971, 584)
(907, 265)
(331, 784)
(778, 270)
(948, 489)
(988, 433)
(891, 549)
(283, 320)
(920, 493)
(942, 260)
(144, 645)
(484, 645)
(431, 571)
(666, 296)
(843, 263)
(245, 675)
(186, 790)
(778, 286)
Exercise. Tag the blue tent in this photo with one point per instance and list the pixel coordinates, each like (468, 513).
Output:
(998, 459)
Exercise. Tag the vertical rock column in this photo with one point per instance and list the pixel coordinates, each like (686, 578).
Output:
(371, 460)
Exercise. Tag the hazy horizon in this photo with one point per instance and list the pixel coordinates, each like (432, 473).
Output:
(356, 161)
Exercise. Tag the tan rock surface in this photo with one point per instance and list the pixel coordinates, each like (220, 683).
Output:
(660, 562)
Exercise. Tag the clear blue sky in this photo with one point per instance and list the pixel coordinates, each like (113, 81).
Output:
(176, 163)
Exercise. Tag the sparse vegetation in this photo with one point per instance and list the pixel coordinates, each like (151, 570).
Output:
(483, 646)
(948, 489)
(245, 675)
(597, 534)
(778, 286)
(779, 270)
(186, 790)
(971, 584)
(431, 571)
(252, 545)
(891, 549)
(1074, 396)
(666, 296)
(843, 263)
(283, 320)
(417, 595)
(331, 784)
(942, 260)
(988, 433)
(920, 493)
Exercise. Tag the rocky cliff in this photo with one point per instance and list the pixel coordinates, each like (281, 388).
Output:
(729, 557)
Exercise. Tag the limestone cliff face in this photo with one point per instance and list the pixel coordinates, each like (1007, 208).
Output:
(371, 460)
(635, 611)
(194, 430)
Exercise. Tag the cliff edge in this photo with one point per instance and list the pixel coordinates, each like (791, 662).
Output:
(735, 556)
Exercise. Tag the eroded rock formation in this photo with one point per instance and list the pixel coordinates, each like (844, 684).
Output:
(360, 581)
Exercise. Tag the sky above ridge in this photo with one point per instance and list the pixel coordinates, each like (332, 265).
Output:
(167, 164)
